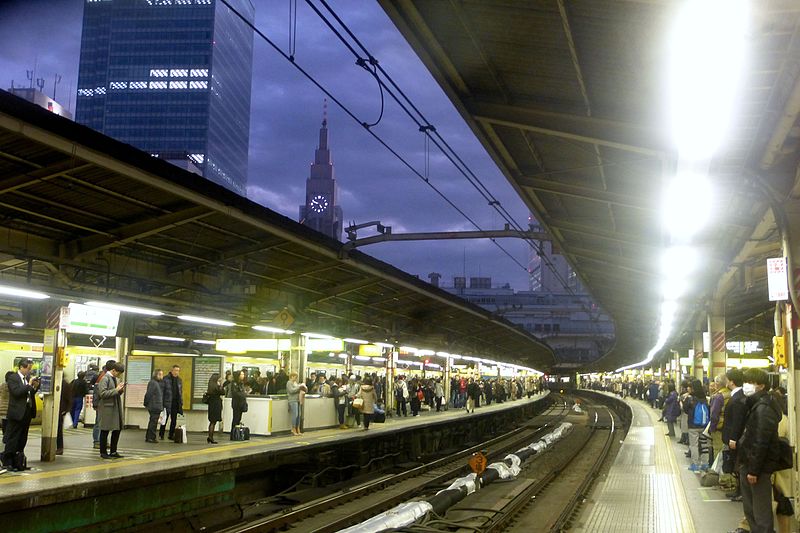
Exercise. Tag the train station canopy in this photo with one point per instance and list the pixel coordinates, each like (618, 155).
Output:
(85, 216)
(570, 99)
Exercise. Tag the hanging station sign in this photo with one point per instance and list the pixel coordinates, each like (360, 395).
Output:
(777, 279)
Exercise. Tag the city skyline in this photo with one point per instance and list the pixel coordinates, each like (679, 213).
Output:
(285, 109)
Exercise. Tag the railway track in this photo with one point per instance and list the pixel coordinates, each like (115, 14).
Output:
(549, 490)
(352, 504)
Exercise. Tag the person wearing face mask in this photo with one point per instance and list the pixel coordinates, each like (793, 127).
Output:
(758, 451)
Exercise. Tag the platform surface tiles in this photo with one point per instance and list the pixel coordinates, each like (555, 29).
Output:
(650, 489)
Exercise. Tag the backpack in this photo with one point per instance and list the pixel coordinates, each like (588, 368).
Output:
(700, 416)
(420, 395)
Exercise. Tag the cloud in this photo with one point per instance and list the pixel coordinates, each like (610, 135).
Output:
(286, 204)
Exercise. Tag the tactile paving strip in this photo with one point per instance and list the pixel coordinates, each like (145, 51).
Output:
(642, 492)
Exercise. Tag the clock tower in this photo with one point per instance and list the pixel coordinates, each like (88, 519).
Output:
(321, 210)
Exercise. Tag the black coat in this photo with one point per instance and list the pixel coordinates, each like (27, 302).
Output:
(238, 397)
(167, 388)
(735, 415)
(757, 449)
(21, 398)
(215, 394)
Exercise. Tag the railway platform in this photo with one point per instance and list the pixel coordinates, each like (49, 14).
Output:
(80, 490)
(650, 488)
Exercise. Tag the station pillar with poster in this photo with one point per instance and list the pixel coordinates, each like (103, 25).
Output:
(52, 374)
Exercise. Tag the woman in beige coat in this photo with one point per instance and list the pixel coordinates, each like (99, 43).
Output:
(367, 393)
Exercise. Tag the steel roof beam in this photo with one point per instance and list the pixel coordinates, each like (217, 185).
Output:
(39, 175)
(133, 232)
(613, 134)
(583, 193)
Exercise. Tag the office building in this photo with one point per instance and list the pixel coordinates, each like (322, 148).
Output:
(171, 77)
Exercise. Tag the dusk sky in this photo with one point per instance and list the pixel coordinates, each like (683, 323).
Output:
(286, 114)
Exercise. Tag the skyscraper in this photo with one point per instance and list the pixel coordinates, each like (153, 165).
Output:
(171, 77)
(549, 270)
(321, 210)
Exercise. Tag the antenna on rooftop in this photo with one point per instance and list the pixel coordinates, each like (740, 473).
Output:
(56, 81)
(40, 84)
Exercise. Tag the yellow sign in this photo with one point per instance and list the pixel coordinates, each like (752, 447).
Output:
(779, 351)
(370, 350)
(284, 319)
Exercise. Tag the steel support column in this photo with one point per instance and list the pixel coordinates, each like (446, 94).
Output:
(718, 357)
(297, 357)
(697, 359)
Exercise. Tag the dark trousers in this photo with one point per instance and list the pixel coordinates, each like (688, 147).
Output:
(237, 419)
(75, 412)
(367, 420)
(104, 441)
(172, 415)
(60, 432)
(152, 424)
(15, 438)
(415, 406)
(340, 411)
(757, 503)
(438, 403)
(401, 403)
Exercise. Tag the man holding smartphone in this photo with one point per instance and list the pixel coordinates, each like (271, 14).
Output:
(21, 410)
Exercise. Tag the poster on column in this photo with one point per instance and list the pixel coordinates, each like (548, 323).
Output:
(48, 352)
(137, 376)
(203, 368)
(777, 279)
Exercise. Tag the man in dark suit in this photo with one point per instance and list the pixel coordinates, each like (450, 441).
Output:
(735, 415)
(21, 410)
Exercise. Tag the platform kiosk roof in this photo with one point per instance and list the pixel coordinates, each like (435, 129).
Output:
(89, 217)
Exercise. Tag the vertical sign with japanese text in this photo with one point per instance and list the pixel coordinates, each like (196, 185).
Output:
(777, 279)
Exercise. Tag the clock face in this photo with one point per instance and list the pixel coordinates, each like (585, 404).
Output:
(318, 203)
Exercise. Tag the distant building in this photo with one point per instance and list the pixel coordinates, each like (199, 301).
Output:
(321, 210)
(42, 100)
(171, 76)
(573, 325)
(548, 270)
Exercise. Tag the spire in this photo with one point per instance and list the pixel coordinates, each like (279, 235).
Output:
(323, 153)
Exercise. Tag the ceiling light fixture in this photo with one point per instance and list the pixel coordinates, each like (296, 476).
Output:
(125, 308)
(205, 320)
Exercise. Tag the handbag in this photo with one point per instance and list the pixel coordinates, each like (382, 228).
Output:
(783, 459)
(205, 398)
(358, 403)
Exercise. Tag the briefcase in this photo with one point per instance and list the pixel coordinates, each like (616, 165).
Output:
(240, 433)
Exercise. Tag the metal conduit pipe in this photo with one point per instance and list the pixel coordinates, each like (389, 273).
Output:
(409, 512)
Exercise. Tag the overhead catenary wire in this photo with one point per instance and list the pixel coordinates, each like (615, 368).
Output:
(430, 131)
(352, 115)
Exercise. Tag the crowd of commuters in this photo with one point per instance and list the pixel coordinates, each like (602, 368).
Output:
(736, 432)
(357, 401)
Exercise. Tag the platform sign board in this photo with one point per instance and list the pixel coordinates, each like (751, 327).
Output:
(777, 279)
(137, 376)
(87, 320)
(203, 368)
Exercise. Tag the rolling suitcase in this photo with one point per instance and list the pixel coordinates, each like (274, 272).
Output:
(180, 436)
